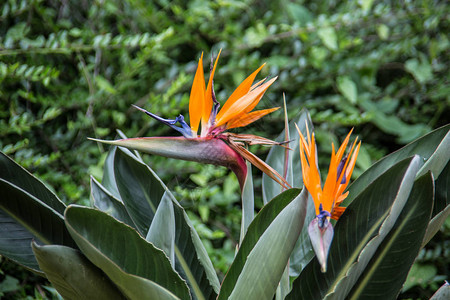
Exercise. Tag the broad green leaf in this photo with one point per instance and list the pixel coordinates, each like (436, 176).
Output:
(141, 191)
(439, 159)
(424, 147)
(358, 233)
(12, 172)
(256, 229)
(303, 252)
(105, 201)
(248, 202)
(108, 179)
(284, 286)
(399, 249)
(140, 270)
(347, 88)
(268, 258)
(162, 230)
(73, 275)
(441, 207)
(24, 218)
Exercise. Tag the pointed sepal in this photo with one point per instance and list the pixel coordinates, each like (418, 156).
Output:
(321, 234)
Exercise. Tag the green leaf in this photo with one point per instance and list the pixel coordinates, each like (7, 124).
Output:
(248, 202)
(141, 191)
(9, 284)
(108, 179)
(441, 207)
(421, 70)
(383, 31)
(140, 270)
(105, 201)
(73, 275)
(397, 253)
(24, 218)
(347, 88)
(162, 230)
(328, 37)
(104, 85)
(439, 159)
(18, 176)
(425, 147)
(264, 252)
(303, 252)
(358, 233)
(420, 275)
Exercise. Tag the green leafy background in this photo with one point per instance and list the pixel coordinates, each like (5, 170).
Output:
(71, 70)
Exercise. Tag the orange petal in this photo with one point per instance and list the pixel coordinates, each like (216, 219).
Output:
(239, 107)
(207, 106)
(240, 91)
(246, 119)
(337, 212)
(310, 173)
(197, 96)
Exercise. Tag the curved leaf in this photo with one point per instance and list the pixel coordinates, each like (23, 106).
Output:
(256, 230)
(358, 233)
(73, 275)
(303, 251)
(108, 179)
(24, 218)
(424, 147)
(248, 202)
(394, 257)
(11, 172)
(162, 231)
(140, 270)
(441, 207)
(105, 201)
(141, 191)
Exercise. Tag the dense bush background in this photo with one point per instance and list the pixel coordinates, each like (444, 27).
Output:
(71, 70)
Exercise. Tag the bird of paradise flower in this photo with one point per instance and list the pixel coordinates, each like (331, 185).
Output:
(327, 200)
(213, 144)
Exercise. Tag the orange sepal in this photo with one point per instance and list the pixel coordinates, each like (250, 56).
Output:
(249, 118)
(240, 107)
(197, 97)
(240, 91)
(208, 103)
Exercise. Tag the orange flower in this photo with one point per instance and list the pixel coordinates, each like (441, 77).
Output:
(237, 110)
(214, 145)
(328, 198)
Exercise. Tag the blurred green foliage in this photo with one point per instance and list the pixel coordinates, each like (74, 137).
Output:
(71, 70)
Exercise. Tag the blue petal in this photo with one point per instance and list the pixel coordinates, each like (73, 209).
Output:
(185, 130)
